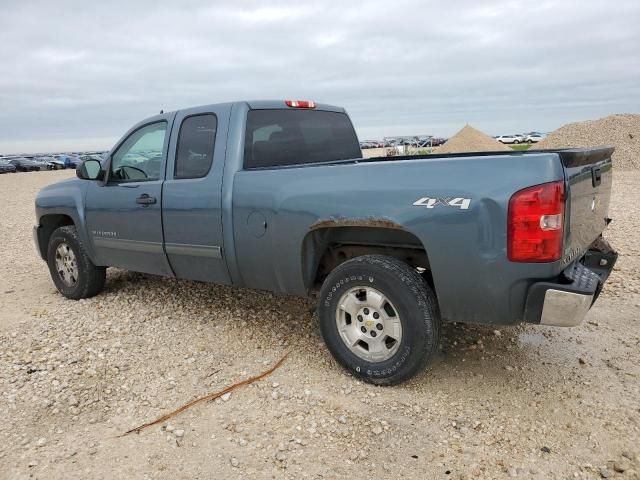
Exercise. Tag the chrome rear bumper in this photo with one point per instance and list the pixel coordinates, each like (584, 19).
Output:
(566, 301)
(564, 309)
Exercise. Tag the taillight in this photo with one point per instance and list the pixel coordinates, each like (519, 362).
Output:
(535, 225)
(300, 103)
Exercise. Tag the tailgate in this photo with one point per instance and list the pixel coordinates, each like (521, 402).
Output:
(588, 173)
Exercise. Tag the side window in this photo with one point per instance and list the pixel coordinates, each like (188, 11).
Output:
(196, 143)
(140, 156)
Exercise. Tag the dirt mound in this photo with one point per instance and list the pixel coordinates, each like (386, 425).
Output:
(621, 131)
(470, 139)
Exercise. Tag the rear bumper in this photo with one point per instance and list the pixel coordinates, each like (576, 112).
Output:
(566, 301)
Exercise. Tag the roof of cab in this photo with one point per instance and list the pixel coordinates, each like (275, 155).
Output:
(253, 105)
(280, 104)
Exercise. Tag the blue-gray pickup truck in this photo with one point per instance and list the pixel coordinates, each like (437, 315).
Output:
(275, 195)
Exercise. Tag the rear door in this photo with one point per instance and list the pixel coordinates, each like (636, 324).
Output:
(123, 215)
(192, 195)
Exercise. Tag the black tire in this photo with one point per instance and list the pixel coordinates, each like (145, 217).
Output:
(417, 308)
(90, 278)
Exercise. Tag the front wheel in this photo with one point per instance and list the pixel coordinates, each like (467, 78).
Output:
(72, 271)
(379, 319)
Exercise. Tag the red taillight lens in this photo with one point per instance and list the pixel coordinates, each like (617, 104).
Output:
(535, 225)
(300, 103)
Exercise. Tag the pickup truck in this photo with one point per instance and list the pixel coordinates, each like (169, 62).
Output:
(275, 195)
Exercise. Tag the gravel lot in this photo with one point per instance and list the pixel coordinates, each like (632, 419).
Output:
(621, 130)
(527, 402)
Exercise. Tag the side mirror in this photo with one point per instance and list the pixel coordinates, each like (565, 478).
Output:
(90, 170)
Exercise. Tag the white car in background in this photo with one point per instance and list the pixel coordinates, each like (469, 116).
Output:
(510, 139)
(534, 137)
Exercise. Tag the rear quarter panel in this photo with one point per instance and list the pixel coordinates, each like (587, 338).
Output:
(474, 281)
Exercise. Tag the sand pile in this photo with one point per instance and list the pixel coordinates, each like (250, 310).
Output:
(471, 140)
(621, 131)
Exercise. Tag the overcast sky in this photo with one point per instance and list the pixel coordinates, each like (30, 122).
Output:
(77, 75)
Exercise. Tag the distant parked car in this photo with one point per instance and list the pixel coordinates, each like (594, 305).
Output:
(134, 159)
(510, 139)
(93, 156)
(52, 163)
(25, 165)
(6, 167)
(40, 161)
(68, 161)
(534, 137)
(371, 144)
(437, 141)
(56, 165)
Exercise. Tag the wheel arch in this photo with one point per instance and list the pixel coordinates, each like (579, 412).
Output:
(47, 225)
(328, 245)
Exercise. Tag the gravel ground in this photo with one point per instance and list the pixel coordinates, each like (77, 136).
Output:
(469, 139)
(621, 130)
(527, 401)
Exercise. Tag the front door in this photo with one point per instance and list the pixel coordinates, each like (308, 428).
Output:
(123, 216)
(192, 195)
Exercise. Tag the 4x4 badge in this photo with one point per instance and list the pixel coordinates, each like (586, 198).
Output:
(455, 202)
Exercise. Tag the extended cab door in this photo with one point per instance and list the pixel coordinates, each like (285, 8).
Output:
(192, 195)
(123, 214)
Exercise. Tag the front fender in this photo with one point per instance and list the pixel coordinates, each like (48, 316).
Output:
(54, 203)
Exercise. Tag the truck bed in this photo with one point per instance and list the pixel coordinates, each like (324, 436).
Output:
(571, 157)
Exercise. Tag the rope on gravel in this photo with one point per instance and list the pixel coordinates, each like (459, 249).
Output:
(208, 397)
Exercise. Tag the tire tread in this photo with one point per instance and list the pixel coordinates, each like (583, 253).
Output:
(425, 300)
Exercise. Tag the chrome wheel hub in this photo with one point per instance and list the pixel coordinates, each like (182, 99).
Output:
(369, 324)
(66, 265)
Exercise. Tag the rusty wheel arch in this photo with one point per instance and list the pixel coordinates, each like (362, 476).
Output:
(330, 242)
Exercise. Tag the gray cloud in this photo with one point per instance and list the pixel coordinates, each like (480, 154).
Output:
(80, 73)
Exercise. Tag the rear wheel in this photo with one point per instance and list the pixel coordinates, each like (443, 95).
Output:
(379, 319)
(72, 271)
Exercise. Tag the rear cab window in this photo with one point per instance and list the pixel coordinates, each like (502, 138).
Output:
(279, 137)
